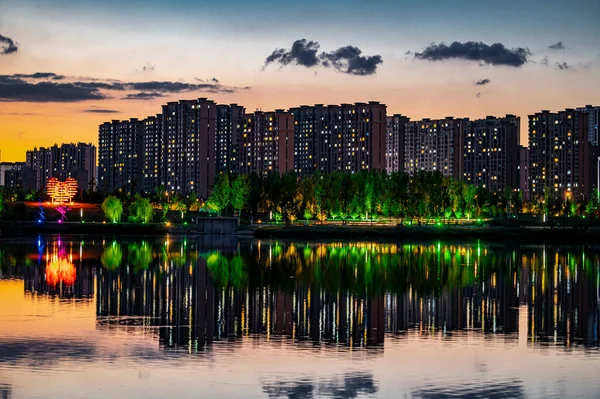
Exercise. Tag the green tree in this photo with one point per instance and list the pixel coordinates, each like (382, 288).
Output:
(240, 193)
(140, 210)
(221, 194)
(112, 208)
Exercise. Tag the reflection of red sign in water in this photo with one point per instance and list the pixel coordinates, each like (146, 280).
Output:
(60, 270)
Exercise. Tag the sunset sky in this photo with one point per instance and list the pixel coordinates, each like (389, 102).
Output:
(120, 59)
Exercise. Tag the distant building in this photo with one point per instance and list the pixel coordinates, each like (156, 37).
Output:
(18, 176)
(266, 144)
(395, 136)
(63, 161)
(523, 169)
(119, 155)
(490, 153)
(593, 114)
(434, 145)
(347, 137)
(560, 155)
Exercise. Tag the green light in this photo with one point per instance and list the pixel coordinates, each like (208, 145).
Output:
(478, 220)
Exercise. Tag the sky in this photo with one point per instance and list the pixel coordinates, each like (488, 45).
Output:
(66, 66)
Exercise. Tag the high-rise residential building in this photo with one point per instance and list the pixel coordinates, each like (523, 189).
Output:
(523, 170)
(347, 137)
(230, 120)
(153, 146)
(593, 114)
(63, 161)
(490, 153)
(434, 145)
(119, 158)
(190, 150)
(560, 155)
(266, 144)
(394, 148)
(17, 176)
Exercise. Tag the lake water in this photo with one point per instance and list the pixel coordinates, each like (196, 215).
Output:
(193, 318)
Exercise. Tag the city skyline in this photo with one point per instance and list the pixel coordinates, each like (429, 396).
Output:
(228, 53)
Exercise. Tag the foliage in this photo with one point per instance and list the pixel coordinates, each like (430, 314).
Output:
(220, 196)
(140, 210)
(113, 208)
(240, 193)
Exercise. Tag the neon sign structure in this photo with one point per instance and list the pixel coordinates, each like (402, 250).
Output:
(61, 191)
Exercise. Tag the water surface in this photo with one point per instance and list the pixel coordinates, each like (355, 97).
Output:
(189, 318)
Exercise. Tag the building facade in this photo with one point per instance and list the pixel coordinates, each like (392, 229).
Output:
(593, 114)
(153, 146)
(524, 184)
(560, 155)
(394, 148)
(266, 144)
(347, 137)
(230, 120)
(190, 148)
(18, 176)
(119, 155)
(434, 145)
(490, 153)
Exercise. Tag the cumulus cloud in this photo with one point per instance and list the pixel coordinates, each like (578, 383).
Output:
(347, 59)
(7, 45)
(495, 54)
(483, 82)
(303, 53)
(557, 46)
(51, 87)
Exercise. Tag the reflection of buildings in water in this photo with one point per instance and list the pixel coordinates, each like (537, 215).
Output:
(488, 304)
(196, 301)
(564, 289)
(60, 271)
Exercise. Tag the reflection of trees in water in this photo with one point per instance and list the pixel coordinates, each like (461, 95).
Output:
(349, 385)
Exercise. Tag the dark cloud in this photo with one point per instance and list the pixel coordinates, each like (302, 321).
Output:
(483, 82)
(303, 53)
(100, 111)
(210, 80)
(563, 66)
(51, 87)
(348, 59)
(143, 95)
(478, 95)
(39, 75)
(496, 54)
(17, 89)
(7, 45)
(544, 61)
(557, 46)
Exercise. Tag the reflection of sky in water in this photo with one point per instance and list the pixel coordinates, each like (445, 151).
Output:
(291, 320)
